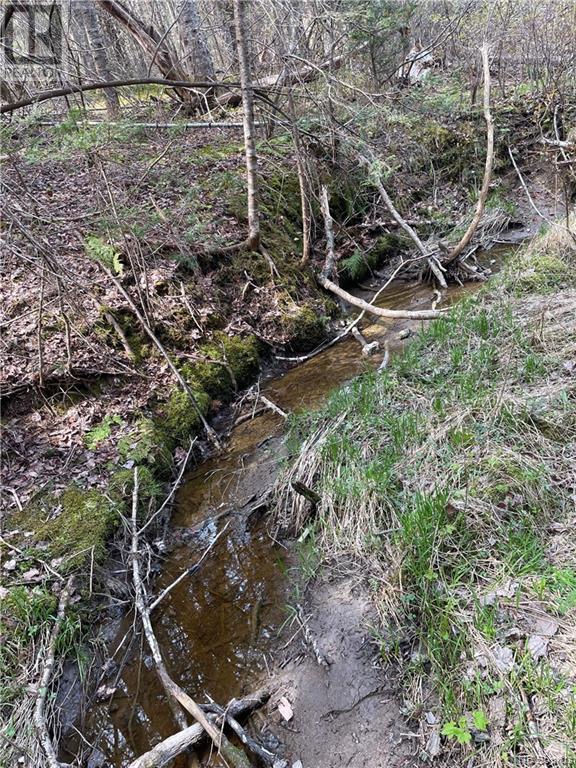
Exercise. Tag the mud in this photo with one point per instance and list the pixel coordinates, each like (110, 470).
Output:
(348, 713)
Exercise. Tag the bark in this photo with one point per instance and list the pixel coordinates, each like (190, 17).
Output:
(95, 37)
(467, 237)
(397, 314)
(253, 240)
(55, 93)
(329, 268)
(164, 752)
(151, 41)
(197, 58)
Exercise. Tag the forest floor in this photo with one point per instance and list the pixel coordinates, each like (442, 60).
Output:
(92, 210)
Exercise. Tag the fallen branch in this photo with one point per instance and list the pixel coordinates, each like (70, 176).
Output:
(176, 696)
(480, 205)
(403, 224)
(368, 347)
(164, 752)
(187, 572)
(55, 93)
(405, 314)
(39, 716)
(329, 268)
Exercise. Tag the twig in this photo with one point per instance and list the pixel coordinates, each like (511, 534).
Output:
(173, 489)
(39, 716)
(188, 572)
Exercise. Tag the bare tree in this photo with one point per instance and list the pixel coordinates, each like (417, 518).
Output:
(197, 58)
(253, 240)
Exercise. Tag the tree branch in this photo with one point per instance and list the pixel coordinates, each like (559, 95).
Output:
(480, 205)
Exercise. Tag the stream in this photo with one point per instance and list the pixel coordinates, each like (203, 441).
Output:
(219, 628)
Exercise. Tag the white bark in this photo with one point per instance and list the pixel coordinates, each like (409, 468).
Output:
(253, 240)
(457, 251)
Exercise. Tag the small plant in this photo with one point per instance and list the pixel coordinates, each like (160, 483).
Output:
(101, 431)
(457, 730)
(105, 254)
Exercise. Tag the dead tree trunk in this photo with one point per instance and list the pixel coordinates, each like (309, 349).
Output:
(253, 240)
(152, 42)
(95, 37)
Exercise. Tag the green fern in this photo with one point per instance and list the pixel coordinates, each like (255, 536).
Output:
(354, 266)
(105, 254)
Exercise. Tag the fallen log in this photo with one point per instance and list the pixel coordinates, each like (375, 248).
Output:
(368, 347)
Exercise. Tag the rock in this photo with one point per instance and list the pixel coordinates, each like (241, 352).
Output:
(433, 745)
(405, 333)
(10, 565)
(285, 709)
(546, 627)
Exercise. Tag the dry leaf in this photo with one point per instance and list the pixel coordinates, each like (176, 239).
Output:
(285, 709)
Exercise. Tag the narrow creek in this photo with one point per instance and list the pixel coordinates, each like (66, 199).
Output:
(218, 629)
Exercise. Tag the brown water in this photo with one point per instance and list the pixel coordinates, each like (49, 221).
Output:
(219, 626)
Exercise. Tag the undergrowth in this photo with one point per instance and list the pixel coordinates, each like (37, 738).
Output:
(445, 478)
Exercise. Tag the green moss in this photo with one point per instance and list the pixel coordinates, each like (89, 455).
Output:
(180, 418)
(150, 444)
(305, 328)
(456, 150)
(76, 524)
(122, 483)
(241, 358)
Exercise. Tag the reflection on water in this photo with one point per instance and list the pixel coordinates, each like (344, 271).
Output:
(217, 626)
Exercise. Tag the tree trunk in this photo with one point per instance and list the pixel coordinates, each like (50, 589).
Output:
(152, 42)
(95, 37)
(253, 240)
(197, 58)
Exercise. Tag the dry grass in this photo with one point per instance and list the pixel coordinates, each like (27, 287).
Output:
(450, 479)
